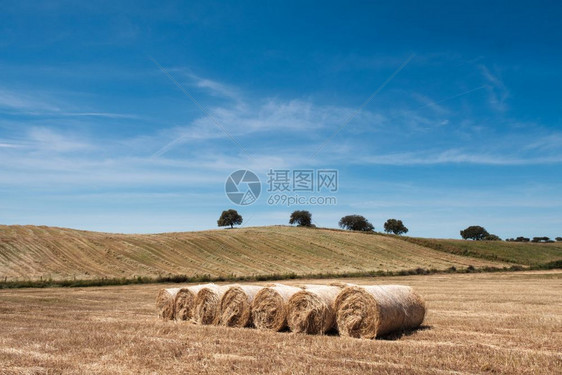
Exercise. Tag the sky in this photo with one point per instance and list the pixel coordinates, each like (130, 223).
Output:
(129, 116)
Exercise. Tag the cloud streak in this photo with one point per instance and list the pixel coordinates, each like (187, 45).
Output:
(497, 91)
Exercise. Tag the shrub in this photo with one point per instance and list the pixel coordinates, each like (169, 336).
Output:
(491, 237)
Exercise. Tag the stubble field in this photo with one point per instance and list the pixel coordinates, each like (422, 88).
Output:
(477, 323)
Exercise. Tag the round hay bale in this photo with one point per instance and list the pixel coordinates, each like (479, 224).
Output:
(207, 304)
(185, 301)
(165, 303)
(375, 310)
(269, 308)
(312, 310)
(236, 303)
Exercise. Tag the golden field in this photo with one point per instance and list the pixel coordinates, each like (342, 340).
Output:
(476, 323)
(33, 253)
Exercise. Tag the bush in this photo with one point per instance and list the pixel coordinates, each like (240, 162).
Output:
(491, 237)
(541, 239)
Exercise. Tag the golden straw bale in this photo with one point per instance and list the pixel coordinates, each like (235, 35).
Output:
(375, 310)
(185, 301)
(269, 308)
(207, 304)
(165, 303)
(312, 310)
(236, 303)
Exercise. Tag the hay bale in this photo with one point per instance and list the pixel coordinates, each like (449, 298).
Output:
(236, 303)
(375, 310)
(165, 303)
(207, 304)
(269, 308)
(312, 310)
(185, 301)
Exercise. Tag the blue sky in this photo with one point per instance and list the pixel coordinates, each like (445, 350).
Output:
(464, 127)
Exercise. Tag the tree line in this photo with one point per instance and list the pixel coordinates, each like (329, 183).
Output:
(303, 218)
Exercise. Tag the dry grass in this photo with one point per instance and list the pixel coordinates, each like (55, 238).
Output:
(476, 323)
(30, 252)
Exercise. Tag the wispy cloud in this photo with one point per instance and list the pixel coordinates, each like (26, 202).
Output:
(497, 91)
(214, 87)
(23, 101)
(431, 104)
(36, 104)
(549, 142)
(9, 145)
(455, 156)
(101, 114)
(255, 117)
(46, 139)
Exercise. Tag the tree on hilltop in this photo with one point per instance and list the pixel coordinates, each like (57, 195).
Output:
(474, 232)
(395, 226)
(301, 218)
(356, 222)
(229, 217)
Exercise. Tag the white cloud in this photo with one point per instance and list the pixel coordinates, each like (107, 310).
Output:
(214, 87)
(46, 139)
(453, 156)
(24, 101)
(497, 91)
(35, 104)
(550, 142)
(298, 117)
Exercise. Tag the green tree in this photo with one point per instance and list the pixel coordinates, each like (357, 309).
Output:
(229, 217)
(356, 222)
(301, 218)
(474, 232)
(395, 226)
(559, 239)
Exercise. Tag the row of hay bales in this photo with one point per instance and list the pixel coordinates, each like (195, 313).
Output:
(355, 311)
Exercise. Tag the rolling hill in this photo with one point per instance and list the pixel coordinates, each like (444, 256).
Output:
(32, 253)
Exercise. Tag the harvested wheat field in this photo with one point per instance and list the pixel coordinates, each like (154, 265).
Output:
(34, 253)
(507, 323)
